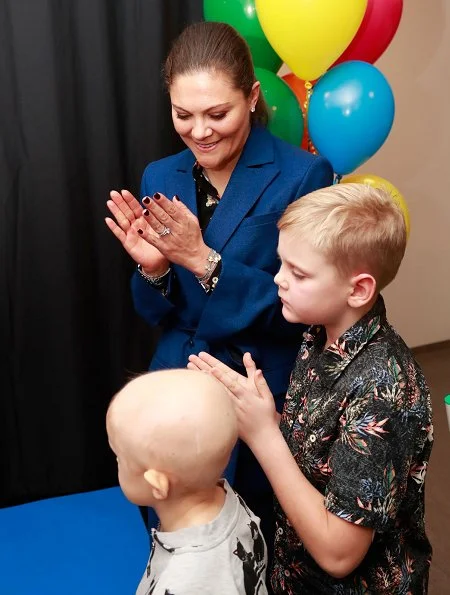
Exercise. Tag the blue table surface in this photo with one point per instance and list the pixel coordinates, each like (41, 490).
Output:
(91, 543)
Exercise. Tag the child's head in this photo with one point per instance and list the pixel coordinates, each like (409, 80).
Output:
(172, 432)
(344, 241)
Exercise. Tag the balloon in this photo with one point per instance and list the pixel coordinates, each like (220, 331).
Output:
(379, 25)
(298, 86)
(350, 115)
(285, 114)
(377, 182)
(241, 14)
(310, 35)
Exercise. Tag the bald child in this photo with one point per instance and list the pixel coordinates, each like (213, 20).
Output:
(173, 432)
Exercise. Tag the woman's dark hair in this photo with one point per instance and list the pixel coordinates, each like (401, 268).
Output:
(216, 47)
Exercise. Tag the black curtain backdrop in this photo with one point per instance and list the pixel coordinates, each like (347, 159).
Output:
(82, 110)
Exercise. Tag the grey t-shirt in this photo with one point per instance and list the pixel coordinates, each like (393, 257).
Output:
(227, 556)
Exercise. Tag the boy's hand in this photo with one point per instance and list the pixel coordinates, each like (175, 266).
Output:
(207, 363)
(253, 402)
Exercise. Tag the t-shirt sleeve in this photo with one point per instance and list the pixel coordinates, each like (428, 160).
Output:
(370, 460)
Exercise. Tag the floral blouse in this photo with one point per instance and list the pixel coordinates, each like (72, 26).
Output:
(357, 419)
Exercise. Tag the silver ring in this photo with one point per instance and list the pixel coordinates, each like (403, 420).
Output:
(164, 232)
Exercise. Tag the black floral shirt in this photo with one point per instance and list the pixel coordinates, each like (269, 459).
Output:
(357, 419)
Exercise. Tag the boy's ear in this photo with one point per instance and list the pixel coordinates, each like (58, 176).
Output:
(159, 483)
(364, 288)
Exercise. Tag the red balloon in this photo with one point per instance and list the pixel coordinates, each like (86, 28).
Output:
(376, 31)
(298, 86)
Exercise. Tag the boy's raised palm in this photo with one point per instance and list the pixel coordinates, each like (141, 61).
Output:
(231, 379)
(253, 402)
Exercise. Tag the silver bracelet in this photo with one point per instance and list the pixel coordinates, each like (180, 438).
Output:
(212, 261)
(154, 280)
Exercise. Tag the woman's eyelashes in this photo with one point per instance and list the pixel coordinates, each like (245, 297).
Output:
(215, 117)
(220, 116)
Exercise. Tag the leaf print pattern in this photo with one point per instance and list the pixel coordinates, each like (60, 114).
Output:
(383, 502)
(366, 402)
(418, 473)
(355, 431)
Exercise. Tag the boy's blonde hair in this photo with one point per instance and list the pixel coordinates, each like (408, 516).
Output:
(357, 227)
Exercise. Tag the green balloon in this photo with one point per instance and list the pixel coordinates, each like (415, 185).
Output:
(285, 113)
(241, 14)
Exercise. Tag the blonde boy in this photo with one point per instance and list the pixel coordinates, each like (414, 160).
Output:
(347, 460)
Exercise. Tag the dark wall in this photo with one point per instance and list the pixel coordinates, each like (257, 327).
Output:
(82, 110)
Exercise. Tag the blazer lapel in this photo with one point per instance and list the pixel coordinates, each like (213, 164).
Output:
(251, 176)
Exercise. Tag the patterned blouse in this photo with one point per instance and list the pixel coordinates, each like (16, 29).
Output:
(358, 421)
(207, 200)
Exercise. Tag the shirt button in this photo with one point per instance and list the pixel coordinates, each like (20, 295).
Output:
(191, 342)
(312, 438)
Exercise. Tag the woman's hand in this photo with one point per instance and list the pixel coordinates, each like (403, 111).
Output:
(253, 402)
(175, 232)
(128, 213)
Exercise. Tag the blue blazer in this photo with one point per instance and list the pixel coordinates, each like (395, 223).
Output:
(243, 313)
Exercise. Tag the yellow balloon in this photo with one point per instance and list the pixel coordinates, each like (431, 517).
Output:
(309, 35)
(378, 182)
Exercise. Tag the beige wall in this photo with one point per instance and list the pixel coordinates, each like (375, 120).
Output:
(416, 159)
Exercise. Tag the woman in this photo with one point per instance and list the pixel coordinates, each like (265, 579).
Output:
(205, 243)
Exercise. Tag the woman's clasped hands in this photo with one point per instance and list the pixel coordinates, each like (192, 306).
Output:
(253, 401)
(163, 232)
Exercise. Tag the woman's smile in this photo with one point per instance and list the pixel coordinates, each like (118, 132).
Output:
(206, 147)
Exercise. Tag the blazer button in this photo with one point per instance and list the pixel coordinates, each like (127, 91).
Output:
(312, 438)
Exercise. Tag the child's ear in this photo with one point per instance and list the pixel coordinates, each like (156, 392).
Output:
(159, 483)
(364, 288)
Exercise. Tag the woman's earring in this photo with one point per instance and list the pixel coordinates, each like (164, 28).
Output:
(252, 109)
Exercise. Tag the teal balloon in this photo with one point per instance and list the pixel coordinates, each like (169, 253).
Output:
(285, 114)
(241, 14)
(350, 114)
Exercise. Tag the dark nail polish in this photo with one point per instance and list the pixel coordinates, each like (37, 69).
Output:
(146, 213)
(157, 195)
(140, 232)
(146, 200)
(176, 197)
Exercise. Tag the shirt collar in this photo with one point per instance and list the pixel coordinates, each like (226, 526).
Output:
(203, 183)
(332, 361)
(206, 536)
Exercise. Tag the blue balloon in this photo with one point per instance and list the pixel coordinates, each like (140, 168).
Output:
(350, 114)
